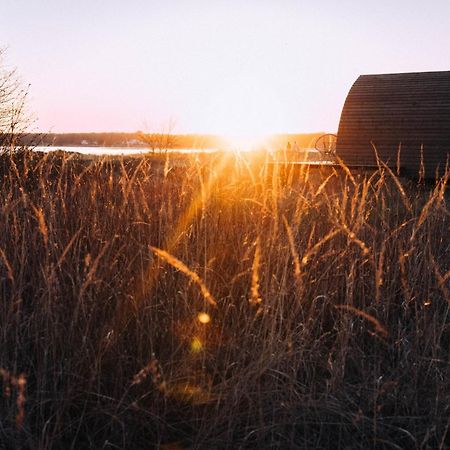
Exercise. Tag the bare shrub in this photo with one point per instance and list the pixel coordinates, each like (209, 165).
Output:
(13, 114)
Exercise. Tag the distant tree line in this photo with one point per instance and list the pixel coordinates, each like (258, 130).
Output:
(117, 139)
(158, 140)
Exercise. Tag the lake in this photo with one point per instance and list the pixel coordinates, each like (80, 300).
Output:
(86, 150)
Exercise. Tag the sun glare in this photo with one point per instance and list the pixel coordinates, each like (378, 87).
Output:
(244, 142)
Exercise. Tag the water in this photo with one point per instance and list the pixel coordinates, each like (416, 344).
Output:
(119, 151)
(85, 150)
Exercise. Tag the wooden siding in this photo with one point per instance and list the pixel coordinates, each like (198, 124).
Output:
(406, 110)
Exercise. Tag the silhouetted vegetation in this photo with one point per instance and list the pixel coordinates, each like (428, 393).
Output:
(158, 140)
(13, 94)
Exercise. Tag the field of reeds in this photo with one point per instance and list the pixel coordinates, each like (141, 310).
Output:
(221, 303)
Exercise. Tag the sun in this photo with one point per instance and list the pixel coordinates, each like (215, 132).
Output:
(244, 142)
(244, 111)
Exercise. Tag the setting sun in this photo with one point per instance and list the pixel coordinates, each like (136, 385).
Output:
(244, 142)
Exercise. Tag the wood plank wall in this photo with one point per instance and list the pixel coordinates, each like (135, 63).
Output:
(410, 111)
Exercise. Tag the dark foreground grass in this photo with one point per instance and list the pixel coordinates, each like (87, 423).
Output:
(219, 304)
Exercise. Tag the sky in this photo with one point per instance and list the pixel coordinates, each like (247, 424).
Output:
(244, 68)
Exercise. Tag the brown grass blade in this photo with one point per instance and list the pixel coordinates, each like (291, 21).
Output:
(376, 323)
(7, 265)
(405, 198)
(346, 170)
(255, 297)
(295, 256)
(316, 247)
(175, 262)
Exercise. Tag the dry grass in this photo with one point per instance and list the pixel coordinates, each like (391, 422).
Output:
(221, 305)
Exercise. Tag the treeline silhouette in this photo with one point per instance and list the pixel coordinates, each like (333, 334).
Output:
(157, 140)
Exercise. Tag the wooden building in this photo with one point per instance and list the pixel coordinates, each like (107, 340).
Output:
(405, 117)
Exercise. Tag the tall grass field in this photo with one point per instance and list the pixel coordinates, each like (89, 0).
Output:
(221, 302)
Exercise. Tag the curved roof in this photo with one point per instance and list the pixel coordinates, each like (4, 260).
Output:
(406, 110)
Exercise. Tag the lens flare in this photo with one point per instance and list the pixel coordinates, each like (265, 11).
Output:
(196, 345)
(204, 318)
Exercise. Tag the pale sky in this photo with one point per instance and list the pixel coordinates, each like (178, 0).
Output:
(243, 67)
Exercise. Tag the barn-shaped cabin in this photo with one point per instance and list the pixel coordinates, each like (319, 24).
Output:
(404, 116)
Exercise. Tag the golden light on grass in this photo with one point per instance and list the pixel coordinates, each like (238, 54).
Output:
(255, 297)
(312, 250)
(294, 252)
(204, 318)
(42, 224)
(195, 391)
(17, 385)
(175, 237)
(183, 268)
(189, 393)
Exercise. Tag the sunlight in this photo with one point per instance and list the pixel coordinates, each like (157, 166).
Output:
(245, 107)
(245, 142)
